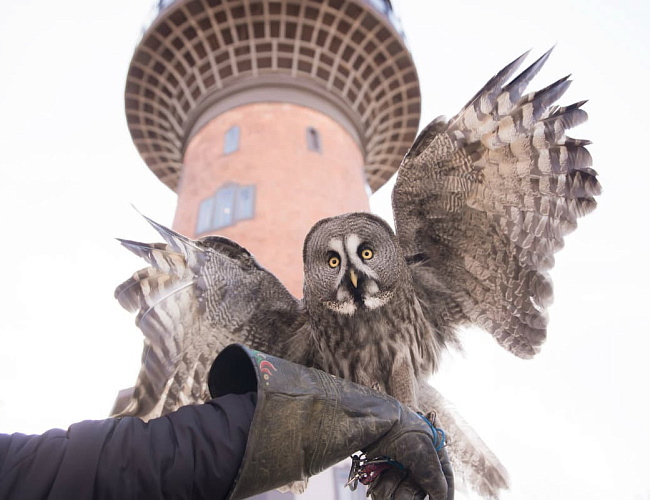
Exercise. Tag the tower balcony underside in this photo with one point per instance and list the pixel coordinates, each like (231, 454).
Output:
(199, 54)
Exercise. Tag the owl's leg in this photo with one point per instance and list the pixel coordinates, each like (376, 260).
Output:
(373, 383)
(403, 383)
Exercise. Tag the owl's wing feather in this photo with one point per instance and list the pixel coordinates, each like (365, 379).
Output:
(484, 200)
(474, 463)
(194, 299)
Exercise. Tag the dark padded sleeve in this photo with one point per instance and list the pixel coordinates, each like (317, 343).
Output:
(193, 453)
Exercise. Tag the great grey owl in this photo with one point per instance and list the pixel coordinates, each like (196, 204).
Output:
(481, 204)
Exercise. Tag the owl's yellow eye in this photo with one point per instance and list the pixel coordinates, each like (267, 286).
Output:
(334, 261)
(366, 254)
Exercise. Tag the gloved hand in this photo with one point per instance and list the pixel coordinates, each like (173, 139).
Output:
(413, 483)
(306, 420)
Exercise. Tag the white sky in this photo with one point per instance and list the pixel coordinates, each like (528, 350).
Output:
(570, 424)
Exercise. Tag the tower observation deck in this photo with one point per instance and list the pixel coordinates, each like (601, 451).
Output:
(267, 115)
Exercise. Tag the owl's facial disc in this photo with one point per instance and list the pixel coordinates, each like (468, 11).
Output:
(357, 284)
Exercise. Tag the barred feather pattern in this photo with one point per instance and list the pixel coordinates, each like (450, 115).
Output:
(473, 462)
(195, 299)
(485, 199)
(481, 203)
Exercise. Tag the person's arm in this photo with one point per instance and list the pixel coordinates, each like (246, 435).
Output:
(194, 452)
(271, 422)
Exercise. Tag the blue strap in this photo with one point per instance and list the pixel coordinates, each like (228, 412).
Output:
(439, 436)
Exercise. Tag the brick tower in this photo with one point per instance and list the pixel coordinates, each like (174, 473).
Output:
(265, 116)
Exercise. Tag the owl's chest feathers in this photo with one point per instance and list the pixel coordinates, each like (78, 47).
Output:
(365, 346)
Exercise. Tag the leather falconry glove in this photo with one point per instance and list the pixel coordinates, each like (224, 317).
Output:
(306, 421)
(395, 484)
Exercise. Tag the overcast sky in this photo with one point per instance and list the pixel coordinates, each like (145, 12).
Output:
(570, 424)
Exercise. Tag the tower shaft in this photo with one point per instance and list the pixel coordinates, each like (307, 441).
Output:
(298, 165)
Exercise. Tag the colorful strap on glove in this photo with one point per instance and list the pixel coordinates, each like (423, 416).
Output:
(365, 471)
(439, 436)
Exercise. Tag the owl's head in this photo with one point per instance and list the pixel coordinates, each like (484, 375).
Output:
(352, 262)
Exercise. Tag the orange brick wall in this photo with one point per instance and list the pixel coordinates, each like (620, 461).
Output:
(295, 187)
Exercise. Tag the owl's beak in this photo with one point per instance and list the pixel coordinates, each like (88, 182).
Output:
(353, 278)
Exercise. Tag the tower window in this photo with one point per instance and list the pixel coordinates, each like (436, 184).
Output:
(231, 142)
(224, 207)
(229, 204)
(313, 140)
(245, 203)
(204, 220)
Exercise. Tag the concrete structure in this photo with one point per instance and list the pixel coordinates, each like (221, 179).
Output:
(266, 116)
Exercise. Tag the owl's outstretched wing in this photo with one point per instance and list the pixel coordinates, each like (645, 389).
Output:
(196, 298)
(483, 201)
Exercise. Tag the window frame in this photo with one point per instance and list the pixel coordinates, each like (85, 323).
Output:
(228, 205)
